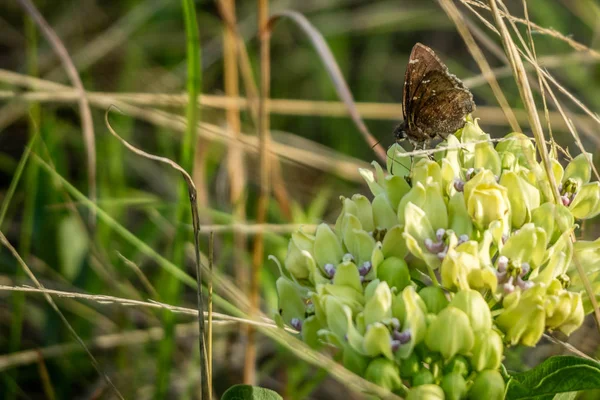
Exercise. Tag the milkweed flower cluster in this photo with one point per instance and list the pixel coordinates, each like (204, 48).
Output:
(422, 286)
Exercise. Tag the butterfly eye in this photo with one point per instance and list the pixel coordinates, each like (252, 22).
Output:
(400, 132)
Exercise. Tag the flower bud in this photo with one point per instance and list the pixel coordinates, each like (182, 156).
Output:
(295, 261)
(579, 169)
(346, 274)
(413, 319)
(457, 337)
(488, 385)
(454, 386)
(384, 373)
(395, 272)
(379, 305)
(426, 171)
(410, 366)
(523, 317)
(458, 364)
(396, 188)
(396, 163)
(291, 304)
(416, 230)
(354, 361)
(327, 247)
(460, 221)
(487, 158)
(476, 308)
(359, 243)
(369, 177)
(310, 329)
(378, 341)
(394, 244)
(576, 316)
(426, 392)
(523, 197)
(520, 146)
(586, 203)
(434, 298)
(423, 377)
(384, 216)
(487, 203)
(364, 212)
(487, 351)
(554, 219)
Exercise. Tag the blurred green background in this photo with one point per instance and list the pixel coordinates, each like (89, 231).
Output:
(138, 49)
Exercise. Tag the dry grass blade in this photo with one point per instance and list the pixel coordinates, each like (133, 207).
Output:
(334, 72)
(64, 320)
(550, 32)
(265, 191)
(477, 54)
(84, 106)
(196, 224)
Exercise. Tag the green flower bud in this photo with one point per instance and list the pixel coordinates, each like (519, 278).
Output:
(393, 244)
(527, 245)
(327, 247)
(423, 377)
(396, 163)
(457, 337)
(576, 316)
(374, 184)
(426, 171)
(346, 274)
(435, 206)
(586, 203)
(426, 392)
(395, 272)
(359, 243)
(554, 219)
(396, 188)
(520, 146)
(345, 294)
(416, 231)
(454, 386)
(458, 364)
(416, 196)
(384, 373)
(364, 212)
(460, 220)
(523, 198)
(410, 366)
(488, 385)
(487, 203)
(487, 351)
(523, 317)
(413, 320)
(384, 216)
(291, 303)
(377, 341)
(379, 305)
(354, 361)
(310, 328)
(476, 308)
(348, 208)
(434, 298)
(579, 169)
(487, 158)
(295, 261)
(456, 268)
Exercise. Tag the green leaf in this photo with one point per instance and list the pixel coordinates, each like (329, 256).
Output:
(247, 392)
(558, 374)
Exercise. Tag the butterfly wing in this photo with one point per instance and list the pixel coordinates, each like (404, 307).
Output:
(441, 103)
(422, 60)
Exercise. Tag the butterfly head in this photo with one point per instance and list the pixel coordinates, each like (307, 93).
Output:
(400, 132)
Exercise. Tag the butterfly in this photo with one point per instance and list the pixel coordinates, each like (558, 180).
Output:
(434, 102)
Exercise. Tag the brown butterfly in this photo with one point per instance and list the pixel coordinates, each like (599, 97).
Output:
(434, 101)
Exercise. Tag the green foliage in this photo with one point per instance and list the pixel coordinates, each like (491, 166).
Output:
(247, 392)
(558, 374)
